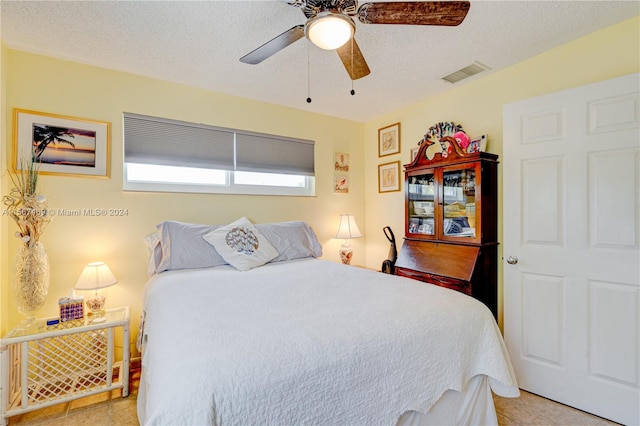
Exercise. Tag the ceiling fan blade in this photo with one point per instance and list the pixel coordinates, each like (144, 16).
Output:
(352, 59)
(448, 13)
(274, 45)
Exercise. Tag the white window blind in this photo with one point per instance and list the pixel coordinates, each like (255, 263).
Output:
(160, 141)
(269, 154)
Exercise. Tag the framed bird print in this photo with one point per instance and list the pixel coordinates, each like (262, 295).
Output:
(389, 140)
(389, 177)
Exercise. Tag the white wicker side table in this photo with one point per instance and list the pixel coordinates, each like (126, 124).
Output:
(47, 365)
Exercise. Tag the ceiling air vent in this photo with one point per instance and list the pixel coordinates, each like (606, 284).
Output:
(465, 72)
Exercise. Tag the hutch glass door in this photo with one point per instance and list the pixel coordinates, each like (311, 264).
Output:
(459, 203)
(421, 204)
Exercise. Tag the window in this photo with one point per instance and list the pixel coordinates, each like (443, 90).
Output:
(176, 156)
(269, 179)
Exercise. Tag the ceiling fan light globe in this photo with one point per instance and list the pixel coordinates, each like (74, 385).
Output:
(330, 31)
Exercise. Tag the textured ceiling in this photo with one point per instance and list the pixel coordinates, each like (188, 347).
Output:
(200, 43)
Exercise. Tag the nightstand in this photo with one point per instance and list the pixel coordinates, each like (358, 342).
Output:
(48, 365)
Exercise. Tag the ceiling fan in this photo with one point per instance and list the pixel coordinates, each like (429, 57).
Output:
(330, 25)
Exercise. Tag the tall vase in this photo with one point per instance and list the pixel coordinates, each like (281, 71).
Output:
(30, 280)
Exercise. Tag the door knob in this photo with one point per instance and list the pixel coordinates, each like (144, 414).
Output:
(512, 260)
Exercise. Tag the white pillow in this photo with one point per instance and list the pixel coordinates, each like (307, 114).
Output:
(241, 245)
(154, 252)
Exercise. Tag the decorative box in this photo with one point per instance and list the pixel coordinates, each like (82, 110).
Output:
(71, 308)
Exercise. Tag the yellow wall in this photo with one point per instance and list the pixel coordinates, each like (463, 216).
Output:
(477, 106)
(4, 131)
(44, 84)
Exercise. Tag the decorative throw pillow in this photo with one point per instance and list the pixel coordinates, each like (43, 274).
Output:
(241, 245)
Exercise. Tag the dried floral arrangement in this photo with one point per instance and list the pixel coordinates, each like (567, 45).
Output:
(24, 205)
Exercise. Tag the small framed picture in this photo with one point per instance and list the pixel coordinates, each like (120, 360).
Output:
(478, 144)
(62, 145)
(341, 160)
(414, 152)
(389, 140)
(389, 177)
(341, 185)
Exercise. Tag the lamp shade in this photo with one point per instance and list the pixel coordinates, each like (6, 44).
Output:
(348, 227)
(95, 275)
(329, 30)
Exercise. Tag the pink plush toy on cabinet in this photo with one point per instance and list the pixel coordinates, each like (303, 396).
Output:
(462, 139)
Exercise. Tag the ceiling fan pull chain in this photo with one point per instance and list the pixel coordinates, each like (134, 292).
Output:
(353, 92)
(308, 74)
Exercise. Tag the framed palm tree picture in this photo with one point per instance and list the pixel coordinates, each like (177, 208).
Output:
(62, 145)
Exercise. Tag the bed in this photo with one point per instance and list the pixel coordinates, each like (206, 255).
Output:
(301, 340)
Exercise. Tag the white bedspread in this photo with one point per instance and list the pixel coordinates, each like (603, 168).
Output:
(309, 342)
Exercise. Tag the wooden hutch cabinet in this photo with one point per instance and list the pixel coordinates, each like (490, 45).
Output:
(451, 230)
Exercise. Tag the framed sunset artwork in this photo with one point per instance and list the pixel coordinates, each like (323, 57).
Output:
(62, 145)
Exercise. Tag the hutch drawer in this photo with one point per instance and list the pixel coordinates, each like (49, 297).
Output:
(448, 282)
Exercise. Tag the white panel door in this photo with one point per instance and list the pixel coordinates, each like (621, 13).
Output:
(572, 246)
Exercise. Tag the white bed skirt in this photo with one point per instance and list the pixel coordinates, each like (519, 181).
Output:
(473, 406)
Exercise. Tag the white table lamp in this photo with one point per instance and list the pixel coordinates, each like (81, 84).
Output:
(347, 230)
(95, 276)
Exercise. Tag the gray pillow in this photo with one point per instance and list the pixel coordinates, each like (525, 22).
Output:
(184, 248)
(293, 240)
